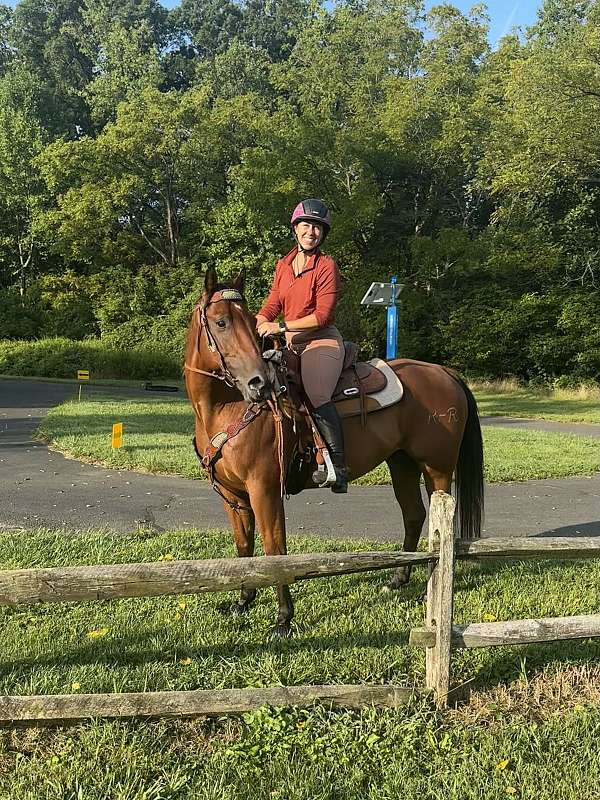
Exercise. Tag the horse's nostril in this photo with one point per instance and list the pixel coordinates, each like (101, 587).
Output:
(257, 382)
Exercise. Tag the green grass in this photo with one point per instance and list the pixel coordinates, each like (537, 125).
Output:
(157, 438)
(559, 405)
(346, 630)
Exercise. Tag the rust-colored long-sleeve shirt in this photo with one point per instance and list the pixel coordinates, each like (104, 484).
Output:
(315, 291)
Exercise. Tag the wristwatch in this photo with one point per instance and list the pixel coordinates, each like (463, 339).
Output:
(282, 327)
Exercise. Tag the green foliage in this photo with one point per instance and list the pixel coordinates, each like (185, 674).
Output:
(61, 358)
(140, 146)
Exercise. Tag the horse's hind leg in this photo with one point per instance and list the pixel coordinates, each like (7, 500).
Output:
(242, 522)
(406, 478)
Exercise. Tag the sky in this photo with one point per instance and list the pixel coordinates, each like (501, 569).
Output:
(504, 14)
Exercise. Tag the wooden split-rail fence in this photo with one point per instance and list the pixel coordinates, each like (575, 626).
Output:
(438, 636)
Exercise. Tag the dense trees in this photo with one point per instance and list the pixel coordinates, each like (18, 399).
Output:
(139, 145)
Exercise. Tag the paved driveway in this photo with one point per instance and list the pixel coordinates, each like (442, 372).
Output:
(42, 488)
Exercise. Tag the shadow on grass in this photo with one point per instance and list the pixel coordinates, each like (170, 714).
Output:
(115, 653)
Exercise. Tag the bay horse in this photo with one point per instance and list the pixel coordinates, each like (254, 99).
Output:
(432, 432)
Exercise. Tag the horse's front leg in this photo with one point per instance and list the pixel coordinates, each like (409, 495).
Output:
(267, 504)
(242, 522)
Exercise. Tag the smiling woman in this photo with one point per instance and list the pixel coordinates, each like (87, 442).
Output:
(305, 292)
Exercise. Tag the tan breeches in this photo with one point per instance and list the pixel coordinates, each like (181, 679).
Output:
(321, 365)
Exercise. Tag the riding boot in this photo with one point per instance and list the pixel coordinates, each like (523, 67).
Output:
(328, 422)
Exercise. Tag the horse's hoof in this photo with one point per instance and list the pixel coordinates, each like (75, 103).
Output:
(395, 584)
(281, 631)
(232, 609)
(399, 579)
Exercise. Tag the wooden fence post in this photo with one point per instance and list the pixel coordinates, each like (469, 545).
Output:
(440, 596)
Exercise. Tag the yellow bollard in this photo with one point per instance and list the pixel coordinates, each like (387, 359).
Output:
(117, 435)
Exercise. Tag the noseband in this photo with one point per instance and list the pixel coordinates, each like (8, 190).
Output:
(226, 376)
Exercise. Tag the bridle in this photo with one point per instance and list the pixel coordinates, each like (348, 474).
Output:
(200, 310)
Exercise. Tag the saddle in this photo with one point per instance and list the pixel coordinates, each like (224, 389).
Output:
(363, 386)
(357, 379)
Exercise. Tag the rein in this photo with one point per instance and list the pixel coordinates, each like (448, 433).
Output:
(213, 451)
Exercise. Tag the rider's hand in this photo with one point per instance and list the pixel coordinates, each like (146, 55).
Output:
(268, 328)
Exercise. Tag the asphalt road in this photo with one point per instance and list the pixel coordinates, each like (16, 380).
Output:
(41, 488)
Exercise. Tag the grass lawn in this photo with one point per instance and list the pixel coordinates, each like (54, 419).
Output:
(530, 729)
(157, 438)
(559, 405)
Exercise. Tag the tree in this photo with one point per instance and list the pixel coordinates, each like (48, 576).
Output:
(274, 25)
(124, 196)
(22, 195)
(206, 26)
(6, 52)
(45, 38)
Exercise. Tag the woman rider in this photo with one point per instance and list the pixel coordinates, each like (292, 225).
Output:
(305, 290)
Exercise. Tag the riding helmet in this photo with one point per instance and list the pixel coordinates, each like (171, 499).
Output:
(312, 210)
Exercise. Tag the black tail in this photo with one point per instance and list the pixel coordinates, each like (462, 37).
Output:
(469, 470)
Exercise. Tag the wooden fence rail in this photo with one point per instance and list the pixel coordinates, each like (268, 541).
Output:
(439, 636)
(67, 708)
(104, 582)
(151, 579)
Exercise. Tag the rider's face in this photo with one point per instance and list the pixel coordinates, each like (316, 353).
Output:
(309, 234)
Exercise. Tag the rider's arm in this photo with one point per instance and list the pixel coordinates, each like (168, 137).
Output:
(308, 323)
(328, 290)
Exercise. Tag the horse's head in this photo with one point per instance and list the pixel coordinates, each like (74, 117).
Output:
(223, 335)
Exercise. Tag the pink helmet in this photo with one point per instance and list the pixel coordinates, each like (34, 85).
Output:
(312, 210)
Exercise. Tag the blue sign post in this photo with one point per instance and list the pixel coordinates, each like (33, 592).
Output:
(392, 322)
(386, 294)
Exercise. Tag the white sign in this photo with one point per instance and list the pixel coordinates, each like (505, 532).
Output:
(380, 294)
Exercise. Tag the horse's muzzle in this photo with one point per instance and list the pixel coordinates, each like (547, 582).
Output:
(259, 387)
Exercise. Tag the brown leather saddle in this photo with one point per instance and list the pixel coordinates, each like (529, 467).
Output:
(357, 380)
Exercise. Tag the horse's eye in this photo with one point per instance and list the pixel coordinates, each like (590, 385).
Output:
(221, 323)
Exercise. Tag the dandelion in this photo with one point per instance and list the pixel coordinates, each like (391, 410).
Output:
(182, 605)
(186, 661)
(75, 686)
(98, 633)
(502, 765)
(510, 790)
(578, 708)
(166, 557)
(489, 618)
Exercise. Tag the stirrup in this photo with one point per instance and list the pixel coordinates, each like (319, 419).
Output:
(325, 475)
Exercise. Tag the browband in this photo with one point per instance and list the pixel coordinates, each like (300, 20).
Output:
(225, 294)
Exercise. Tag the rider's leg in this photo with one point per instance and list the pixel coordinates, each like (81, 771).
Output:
(321, 365)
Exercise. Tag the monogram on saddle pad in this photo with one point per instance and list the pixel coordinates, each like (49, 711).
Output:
(363, 386)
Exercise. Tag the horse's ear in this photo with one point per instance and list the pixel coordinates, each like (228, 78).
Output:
(210, 281)
(240, 281)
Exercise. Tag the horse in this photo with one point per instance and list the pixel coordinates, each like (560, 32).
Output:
(433, 432)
